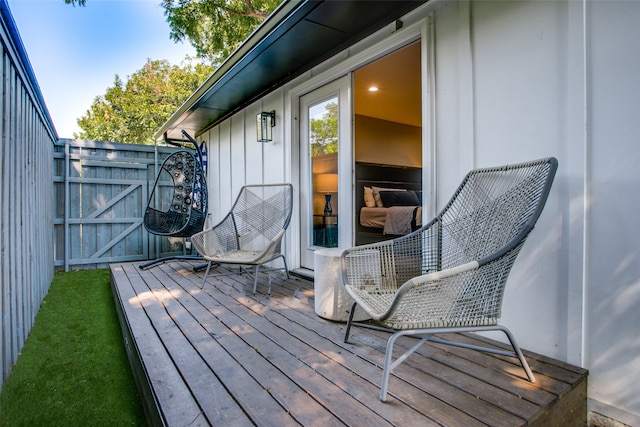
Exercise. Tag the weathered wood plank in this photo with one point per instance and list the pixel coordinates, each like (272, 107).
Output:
(151, 407)
(281, 364)
(217, 344)
(272, 343)
(209, 392)
(161, 372)
(348, 371)
(516, 410)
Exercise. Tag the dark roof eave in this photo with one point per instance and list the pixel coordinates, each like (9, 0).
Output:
(282, 11)
(277, 52)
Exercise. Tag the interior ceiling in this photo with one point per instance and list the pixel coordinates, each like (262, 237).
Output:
(398, 79)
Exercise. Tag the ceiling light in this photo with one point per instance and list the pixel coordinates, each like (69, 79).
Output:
(373, 88)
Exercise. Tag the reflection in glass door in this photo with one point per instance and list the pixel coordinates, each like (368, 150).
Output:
(323, 151)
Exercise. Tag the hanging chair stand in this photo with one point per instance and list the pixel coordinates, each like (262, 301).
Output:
(186, 214)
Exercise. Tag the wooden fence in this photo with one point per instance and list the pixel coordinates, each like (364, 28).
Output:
(26, 205)
(92, 216)
(101, 190)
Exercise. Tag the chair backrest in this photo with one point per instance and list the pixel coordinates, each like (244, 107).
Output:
(493, 210)
(260, 213)
(184, 208)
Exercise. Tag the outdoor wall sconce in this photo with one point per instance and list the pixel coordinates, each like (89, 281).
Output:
(265, 121)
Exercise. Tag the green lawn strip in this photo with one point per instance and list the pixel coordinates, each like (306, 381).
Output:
(73, 369)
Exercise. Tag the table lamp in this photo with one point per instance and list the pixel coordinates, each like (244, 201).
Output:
(327, 183)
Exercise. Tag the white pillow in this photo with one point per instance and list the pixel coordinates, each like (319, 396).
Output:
(376, 194)
(369, 200)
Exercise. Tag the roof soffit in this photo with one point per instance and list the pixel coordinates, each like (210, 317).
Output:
(312, 32)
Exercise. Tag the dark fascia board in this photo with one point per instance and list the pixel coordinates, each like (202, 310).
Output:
(296, 37)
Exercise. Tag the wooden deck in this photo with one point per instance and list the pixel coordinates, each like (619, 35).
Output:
(223, 356)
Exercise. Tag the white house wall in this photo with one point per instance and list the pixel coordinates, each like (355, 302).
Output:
(556, 78)
(517, 54)
(515, 81)
(612, 347)
(235, 158)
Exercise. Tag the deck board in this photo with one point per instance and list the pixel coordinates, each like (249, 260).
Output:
(223, 356)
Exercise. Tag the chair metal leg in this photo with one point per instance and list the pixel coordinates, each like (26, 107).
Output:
(518, 352)
(204, 278)
(349, 321)
(255, 279)
(427, 335)
(390, 366)
(151, 263)
(255, 275)
(286, 269)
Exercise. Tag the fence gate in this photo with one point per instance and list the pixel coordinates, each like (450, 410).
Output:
(101, 190)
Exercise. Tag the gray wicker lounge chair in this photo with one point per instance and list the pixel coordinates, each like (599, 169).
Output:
(450, 275)
(250, 235)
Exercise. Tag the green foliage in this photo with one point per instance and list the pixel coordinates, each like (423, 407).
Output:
(324, 131)
(73, 369)
(215, 28)
(132, 111)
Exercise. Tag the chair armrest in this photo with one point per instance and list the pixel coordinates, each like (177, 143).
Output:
(219, 239)
(430, 300)
(367, 265)
(390, 263)
(273, 249)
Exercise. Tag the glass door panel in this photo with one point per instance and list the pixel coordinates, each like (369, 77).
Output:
(323, 151)
(325, 146)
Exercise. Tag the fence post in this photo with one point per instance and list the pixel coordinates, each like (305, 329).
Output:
(67, 236)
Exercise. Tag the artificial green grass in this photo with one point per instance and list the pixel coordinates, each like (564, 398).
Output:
(73, 369)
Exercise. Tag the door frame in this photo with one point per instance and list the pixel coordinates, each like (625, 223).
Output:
(340, 66)
(340, 88)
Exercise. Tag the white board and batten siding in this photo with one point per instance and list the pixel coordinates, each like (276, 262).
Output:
(505, 82)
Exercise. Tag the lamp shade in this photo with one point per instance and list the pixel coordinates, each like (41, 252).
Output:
(327, 182)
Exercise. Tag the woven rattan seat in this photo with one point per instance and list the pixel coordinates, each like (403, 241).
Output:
(178, 203)
(450, 275)
(250, 235)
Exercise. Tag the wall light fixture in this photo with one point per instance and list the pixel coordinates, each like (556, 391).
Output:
(264, 122)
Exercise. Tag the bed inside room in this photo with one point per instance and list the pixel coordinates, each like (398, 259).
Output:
(388, 201)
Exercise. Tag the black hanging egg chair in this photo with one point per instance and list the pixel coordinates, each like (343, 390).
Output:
(177, 205)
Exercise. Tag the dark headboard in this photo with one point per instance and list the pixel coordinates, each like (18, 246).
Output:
(368, 174)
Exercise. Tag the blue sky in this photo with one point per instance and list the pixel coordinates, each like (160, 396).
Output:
(76, 52)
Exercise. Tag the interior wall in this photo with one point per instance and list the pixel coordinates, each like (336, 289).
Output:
(385, 142)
